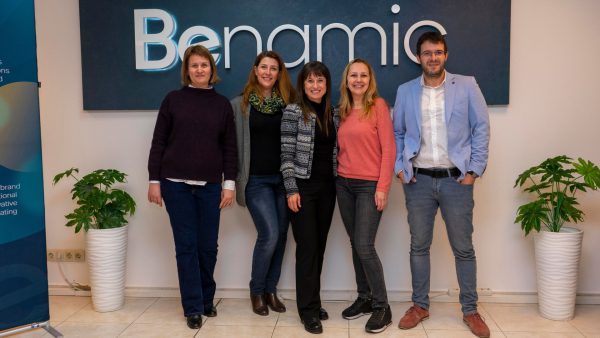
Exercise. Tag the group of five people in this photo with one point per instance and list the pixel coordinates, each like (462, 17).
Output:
(289, 153)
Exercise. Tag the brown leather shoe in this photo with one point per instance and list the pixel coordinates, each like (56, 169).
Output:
(274, 303)
(412, 317)
(259, 305)
(477, 325)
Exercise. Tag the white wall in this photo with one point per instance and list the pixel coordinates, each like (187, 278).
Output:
(554, 99)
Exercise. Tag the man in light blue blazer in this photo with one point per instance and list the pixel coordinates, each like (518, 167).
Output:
(442, 132)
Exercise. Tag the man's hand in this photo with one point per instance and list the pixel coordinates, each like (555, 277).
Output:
(401, 177)
(468, 179)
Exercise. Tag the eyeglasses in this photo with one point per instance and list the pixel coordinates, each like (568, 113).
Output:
(429, 53)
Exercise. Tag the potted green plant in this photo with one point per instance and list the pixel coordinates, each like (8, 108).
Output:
(101, 212)
(554, 184)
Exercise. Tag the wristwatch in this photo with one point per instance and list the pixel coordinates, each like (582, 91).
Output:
(472, 173)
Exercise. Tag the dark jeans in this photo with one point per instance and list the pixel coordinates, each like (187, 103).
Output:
(356, 201)
(265, 197)
(194, 213)
(456, 204)
(311, 226)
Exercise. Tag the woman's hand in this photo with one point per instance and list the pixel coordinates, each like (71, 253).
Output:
(154, 195)
(226, 198)
(381, 200)
(294, 202)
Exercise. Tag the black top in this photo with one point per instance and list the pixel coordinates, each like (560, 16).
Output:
(322, 166)
(194, 137)
(265, 142)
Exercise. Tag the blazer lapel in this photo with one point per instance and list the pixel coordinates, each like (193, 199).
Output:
(416, 97)
(449, 93)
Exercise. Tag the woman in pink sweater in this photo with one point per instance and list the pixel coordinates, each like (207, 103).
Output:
(365, 166)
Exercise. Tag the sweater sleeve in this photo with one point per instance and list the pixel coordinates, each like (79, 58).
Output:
(229, 144)
(385, 132)
(162, 130)
(239, 130)
(289, 136)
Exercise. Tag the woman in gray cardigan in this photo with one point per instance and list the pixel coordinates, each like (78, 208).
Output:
(259, 183)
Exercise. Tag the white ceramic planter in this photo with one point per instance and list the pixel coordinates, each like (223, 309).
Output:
(557, 257)
(106, 252)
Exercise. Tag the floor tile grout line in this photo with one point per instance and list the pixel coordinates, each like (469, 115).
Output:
(275, 326)
(483, 305)
(138, 317)
(89, 301)
(573, 328)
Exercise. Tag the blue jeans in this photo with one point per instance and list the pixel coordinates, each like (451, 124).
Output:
(456, 204)
(194, 213)
(265, 197)
(356, 202)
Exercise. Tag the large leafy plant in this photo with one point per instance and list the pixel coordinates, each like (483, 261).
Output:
(99, 205)
(554, 182)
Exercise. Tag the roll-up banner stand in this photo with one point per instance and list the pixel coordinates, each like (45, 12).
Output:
(23, 270)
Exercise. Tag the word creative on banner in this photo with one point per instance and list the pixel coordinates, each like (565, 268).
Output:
(3, 71)
(9, 199)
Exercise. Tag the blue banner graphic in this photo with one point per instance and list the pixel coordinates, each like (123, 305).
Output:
(131, 53)
(23, 270)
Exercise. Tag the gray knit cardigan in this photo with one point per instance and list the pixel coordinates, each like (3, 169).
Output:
(297, 146)
(242, 131)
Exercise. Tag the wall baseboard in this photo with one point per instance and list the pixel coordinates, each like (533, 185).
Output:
(337, 295)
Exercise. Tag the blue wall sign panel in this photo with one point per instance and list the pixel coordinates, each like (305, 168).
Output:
(131, 49)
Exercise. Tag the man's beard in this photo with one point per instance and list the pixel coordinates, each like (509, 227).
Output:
(434, 74)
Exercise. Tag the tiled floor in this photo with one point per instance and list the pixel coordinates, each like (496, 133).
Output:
(163, 317)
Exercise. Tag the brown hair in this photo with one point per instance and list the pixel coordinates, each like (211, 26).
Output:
(200, 51)
(433, 37)
(346, 97)
(282, 86)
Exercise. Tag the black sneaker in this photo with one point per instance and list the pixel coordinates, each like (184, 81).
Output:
(380, 319)
(360, 307)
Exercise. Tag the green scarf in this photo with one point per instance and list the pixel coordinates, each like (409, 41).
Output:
(270, 105)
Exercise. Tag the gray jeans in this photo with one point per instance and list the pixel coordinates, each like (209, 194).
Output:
(356, 202)
(455, 201)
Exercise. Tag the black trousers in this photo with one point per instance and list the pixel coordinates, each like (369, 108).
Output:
(311, 226)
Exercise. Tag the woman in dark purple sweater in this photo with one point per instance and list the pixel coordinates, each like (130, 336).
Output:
(193, 150)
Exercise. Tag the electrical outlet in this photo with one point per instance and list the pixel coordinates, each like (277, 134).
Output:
(52, 255)
(66, 255)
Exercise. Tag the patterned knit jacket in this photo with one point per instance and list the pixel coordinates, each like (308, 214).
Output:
(297, 146)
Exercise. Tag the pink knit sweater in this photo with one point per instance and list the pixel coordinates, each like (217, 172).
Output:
(366, 147)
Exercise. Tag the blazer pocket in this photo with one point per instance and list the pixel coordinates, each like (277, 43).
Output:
(461, 106)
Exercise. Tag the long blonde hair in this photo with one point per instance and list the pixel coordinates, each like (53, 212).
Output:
(346, 97)
(283, 85)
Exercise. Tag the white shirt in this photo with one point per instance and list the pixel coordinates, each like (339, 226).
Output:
(433, 152)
